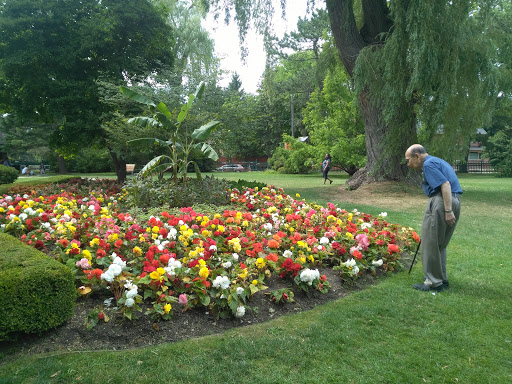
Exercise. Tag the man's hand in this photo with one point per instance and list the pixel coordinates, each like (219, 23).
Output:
(450, 218)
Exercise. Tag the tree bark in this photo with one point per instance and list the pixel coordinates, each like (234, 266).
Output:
(62, 165)
(380, 164)
(119, 166)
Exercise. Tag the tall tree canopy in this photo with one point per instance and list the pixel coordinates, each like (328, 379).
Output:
(423, 70)
(54, 51)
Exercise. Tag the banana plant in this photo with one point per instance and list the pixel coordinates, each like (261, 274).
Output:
(178, 159)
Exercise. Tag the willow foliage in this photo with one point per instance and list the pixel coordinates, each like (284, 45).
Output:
(433, 69)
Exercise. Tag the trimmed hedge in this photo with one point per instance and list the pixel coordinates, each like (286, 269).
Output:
(8, 175)
(37, 293)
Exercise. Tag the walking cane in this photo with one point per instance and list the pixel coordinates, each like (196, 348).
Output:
(416, 253)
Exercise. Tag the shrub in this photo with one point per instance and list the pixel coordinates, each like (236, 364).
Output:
(148, 193)
(37, 293)
(8, 175)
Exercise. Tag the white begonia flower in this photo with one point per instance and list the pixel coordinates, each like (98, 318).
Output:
(240, 311)
(383, 214)
(365, 225)
(226, 265)
(377, 263)
(308, 275)
(172, 265)
(85, 199)
(350, 263)
(221, 282)
(91, 207)
(129, 302)
(115, 269)
(267, 227)
(107, 276)
(213, 248)
(172, 233)
(239, 290)
(23, 216)
(25, 196)
(355, 270)
(287, 253)
(181, 222)
(108, 302)
(118, 261)
(132, 293)
(235, 256)
(324, 240)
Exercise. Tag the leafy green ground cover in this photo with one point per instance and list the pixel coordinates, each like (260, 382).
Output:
(387, 333)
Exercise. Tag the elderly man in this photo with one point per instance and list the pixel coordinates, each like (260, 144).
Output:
(441, 185)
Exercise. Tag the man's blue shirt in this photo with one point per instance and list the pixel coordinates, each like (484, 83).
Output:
(436, 172)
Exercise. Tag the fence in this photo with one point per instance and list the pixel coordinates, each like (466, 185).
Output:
(473, 166)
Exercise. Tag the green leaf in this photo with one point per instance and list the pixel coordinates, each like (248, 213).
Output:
(207, 150)
(148, 140)
(200, 90)
(203, 132)
(205, 300)
(144, 121)
(132, 95)
(164, 110)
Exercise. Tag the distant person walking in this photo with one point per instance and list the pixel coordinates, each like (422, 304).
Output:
(326, 167)
(441, 185)
(41, 168)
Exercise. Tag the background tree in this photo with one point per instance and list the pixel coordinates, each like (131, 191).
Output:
(53, 52)
(409, 75)
(334, 122)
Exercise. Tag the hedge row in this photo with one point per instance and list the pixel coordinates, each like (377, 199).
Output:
(37, 293)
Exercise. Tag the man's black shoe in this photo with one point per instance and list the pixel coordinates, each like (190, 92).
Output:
(425, 287)
(445, 283)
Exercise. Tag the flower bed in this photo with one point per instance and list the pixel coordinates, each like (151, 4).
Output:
(197, 259)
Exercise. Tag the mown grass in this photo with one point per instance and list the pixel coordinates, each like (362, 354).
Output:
(387, 333)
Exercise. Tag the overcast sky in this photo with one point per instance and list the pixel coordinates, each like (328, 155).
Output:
(227, 44)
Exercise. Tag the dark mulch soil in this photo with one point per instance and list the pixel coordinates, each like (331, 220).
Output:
(120, 333)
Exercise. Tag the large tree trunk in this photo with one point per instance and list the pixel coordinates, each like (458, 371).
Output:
(62, 165)
(119, 166)
(381, 163)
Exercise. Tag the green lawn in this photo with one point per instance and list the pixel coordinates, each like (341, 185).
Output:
(388, 333)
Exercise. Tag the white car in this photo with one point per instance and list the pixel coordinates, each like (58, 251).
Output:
(231, 168)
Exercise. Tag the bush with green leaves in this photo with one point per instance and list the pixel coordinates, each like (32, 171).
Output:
(8, 175)
(299, 157)
(147, 193)
(499, 149)
(37, 293)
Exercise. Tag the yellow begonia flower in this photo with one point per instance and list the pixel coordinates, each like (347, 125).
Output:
(167, 308)
(204, 272)
(260, 263)
(137, 251)
(205, 233)
(302, 259)
(216, 216)
(255, 282)
(155, 229)
(220, 228)
(350, 235)
(245, 223)
(297, 195)
(202, 263)
(311, 258)
(244, 273)
(154, 275)
(87, 254)
(154, 236)
(161, 271)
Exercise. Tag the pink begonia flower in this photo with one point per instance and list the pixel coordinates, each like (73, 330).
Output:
(182, 299)
(362, 241)
(83, 263)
